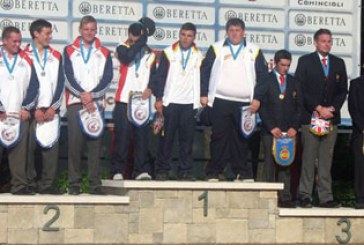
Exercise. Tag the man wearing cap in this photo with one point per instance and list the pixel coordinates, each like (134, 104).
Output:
(18, 93)
(137, 66)
(48, 65)
(178, 95)
(233, 75)
(88, 69)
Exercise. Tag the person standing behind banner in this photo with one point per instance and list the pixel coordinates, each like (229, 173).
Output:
(178, 94)
(137, 67)
(356, 110)
(48, 65)
(18, 93)
(233, 75)
(89, 71)
(280, 112)
(324, 83)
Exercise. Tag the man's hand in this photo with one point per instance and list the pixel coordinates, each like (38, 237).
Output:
(2, 115)
(291, 132)
(24, 115)
(146, 93)
(49, 114)
(204, 101)
(254, 106)
(86, 98)
(39, 116)
(159, 107)
(90, 107)
(325, 112)
(277, 133)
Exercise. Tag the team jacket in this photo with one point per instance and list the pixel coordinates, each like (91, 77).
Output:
(22, 91)
(131, 77)
(281, 113)
(318, 90)
(51, 83)
(356, 104)
(257, 71)
(170, 67)
(94, 77)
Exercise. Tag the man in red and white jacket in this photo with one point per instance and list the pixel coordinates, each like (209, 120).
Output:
(89, 71)
(48, 65)
(18, 93)
(178, 95)
(137, 67)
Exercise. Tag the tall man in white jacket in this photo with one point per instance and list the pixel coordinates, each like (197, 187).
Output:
(18, 93)
(88, 69)
(48, 65)
(232, 75)
(178, 94)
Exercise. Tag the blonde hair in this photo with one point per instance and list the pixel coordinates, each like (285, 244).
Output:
(87, 19)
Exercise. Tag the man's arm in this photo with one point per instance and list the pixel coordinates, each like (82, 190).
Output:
(127, 54)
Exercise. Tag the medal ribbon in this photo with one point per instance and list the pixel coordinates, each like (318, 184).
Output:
(85, 60)
(45, 53)
(325, 66)
(282, 84)
(138, 58)
(8, 67)
(235, 55)
(185, 61)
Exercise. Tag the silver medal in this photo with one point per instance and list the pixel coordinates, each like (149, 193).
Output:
(11, 77)
(43, 73)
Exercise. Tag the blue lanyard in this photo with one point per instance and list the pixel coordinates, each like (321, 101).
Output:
(327, 68)
(185, 61)
(88, 52)
(10, 68)
(138, 58)
(235, 55)
(45, 53)
(282, 88)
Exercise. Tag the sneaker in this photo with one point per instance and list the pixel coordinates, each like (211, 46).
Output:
(187, 177)
(52, 190)
(287, 204)
(162, 176)
(305, 203)
(24, 191)
(97, 191)
(240, 178)
(74, 190)
(359, 205)
(118, 176)
(213, 177)
(143, 176)
(330, 204)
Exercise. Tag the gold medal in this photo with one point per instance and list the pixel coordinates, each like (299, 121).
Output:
(136, 74)
(281, 96)
(43, 73)
(183, 73)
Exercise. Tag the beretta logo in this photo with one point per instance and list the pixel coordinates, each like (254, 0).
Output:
(230, 14)
(300, 40)
(300, 19)
(159, 34)
(7, 4)
(159, 12)
(5, 23)
(85, 8)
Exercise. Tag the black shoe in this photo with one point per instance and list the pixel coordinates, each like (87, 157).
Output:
(162, 176)
(305, 203)
(359, 205)
(24, 191)
(187, 177)
(97, 191)
(330, 204)
(74, 190)
(287, 204)
(52, 190)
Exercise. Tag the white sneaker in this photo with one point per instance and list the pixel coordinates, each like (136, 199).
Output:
(118, 176)
(248, 180)
(143, 176)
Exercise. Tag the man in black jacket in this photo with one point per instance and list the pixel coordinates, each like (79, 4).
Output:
(280, 112)
(356, 110)
(324, 87)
